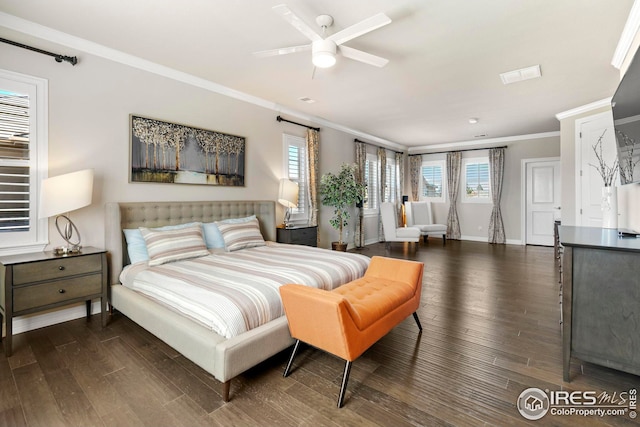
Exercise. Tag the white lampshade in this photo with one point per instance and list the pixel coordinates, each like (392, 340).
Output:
(65, 193)
(288, 193)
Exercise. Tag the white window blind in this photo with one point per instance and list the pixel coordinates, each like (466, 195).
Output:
(477, 183)
(390, 190)
(371, 182)
(432, 184)
(296, 170)
(14, 162)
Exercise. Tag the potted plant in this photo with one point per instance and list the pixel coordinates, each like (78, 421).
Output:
(341, 191)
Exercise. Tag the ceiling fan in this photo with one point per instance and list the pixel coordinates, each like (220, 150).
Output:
(324, 49)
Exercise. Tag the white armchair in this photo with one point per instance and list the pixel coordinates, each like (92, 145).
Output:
(420, 217)
(393, 233)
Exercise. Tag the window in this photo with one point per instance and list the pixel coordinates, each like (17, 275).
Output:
(372, 193)
(476, 180)
(295, 149)
(23, 161)
(390, 189)
(371, 183)
(433, 180)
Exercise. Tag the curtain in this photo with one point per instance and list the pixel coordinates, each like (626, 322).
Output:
(399, 184)
(361, 158)
(496, 226)
(382, 181)
(454, 163)
(313, 141)
(415, 163)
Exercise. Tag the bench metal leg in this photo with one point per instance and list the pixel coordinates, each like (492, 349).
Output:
(415, 317)
(345, 380)
(293, 355)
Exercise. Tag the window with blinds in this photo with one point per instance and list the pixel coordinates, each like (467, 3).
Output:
(23, 161)
(391, 189)
(14, 162)
(371, 181)
(476, 180)
(297, 171)
(432, 183)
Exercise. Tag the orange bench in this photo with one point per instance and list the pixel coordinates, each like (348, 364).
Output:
(350, 319)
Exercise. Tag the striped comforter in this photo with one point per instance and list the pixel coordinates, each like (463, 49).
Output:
(233, 292)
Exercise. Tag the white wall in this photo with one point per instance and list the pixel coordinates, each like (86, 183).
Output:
(89, 108)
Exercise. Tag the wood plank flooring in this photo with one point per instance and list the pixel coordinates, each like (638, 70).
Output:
(491, 329)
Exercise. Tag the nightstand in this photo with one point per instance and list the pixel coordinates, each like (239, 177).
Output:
(307, 236)
(40, 281)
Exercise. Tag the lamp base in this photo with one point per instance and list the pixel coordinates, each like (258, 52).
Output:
(67, 250)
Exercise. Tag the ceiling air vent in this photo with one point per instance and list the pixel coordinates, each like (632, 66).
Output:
(532, 72)
(307, 100)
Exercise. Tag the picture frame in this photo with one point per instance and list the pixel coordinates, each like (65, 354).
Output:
(165, 152)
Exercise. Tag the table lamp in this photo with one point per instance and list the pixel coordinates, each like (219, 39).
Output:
(288, 197)
(62, 194)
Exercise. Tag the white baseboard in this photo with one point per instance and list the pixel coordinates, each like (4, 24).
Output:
(486, 240)
(36, 321)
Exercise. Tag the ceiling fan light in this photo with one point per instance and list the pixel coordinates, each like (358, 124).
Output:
(324, 59)
(323, 53)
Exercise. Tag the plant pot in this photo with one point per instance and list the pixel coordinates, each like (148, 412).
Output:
(337, 246)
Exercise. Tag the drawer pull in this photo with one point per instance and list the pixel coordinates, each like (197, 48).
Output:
(61, 291)
(61, 268)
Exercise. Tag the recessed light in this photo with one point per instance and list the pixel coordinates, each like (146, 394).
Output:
(473, 120)
(307, 100)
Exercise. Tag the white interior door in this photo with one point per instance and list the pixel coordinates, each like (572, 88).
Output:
(543, 201)
(589, 182)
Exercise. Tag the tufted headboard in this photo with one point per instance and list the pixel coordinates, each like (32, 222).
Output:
(120, 216)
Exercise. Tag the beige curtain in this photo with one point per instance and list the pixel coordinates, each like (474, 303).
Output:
(454, 163)
(313, 141)
(361, 158)
(399, 184)
(415, 163)
(496, 226)
(382, 181)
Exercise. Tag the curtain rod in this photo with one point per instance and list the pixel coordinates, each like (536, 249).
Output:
(381, 146)
(73, 60)
(452, 151)
(280, 119)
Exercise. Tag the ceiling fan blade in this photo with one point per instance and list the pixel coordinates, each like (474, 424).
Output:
(362, 27)
(361, 56)
(297, 23)
(282, 51)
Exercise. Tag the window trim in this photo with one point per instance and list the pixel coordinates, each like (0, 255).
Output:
(481, 200)
(38, 164)
(443, 197)
(287, 140)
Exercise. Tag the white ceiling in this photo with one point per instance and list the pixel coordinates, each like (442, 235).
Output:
(445, 57)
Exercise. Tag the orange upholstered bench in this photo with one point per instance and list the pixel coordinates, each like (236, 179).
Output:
(350, 319)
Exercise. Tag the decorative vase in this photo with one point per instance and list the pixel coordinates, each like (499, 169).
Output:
(609, 205)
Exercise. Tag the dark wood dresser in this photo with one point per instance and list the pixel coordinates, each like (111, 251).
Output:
(306, 235)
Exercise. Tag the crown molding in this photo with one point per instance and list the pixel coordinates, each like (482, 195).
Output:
(46, 33)
(628, 35)
(480, 143)
(584, 108)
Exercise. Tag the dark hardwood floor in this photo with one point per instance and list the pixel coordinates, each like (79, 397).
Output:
(491, 329)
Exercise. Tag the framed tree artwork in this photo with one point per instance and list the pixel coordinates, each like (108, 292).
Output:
(173, 153)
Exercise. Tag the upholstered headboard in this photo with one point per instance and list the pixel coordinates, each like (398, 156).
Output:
(120, 216)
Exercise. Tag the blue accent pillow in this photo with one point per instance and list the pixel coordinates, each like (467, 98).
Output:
(212, 236)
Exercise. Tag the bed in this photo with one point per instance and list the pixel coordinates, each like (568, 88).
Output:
(223, 357)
